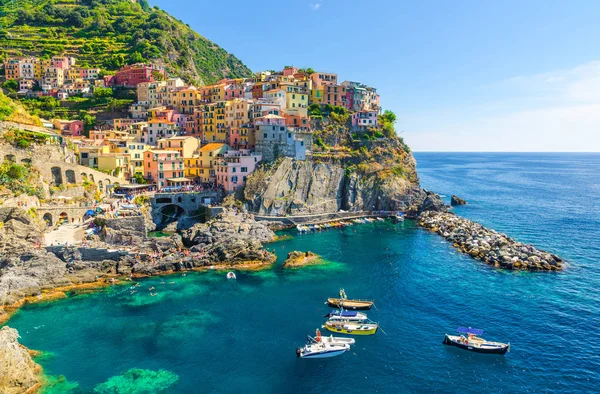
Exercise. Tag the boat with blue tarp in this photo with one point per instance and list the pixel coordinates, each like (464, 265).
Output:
(473, 343)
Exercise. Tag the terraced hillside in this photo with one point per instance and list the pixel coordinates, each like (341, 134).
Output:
(111, 33)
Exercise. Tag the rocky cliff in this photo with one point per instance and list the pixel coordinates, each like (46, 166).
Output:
(381, 177)
(18, 372)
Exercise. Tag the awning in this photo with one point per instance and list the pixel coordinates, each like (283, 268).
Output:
(179, 180)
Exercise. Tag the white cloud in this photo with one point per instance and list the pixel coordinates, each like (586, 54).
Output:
(556, 111)
(315, 6)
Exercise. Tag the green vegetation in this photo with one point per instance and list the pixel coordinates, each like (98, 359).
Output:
(141, 200)
(20, 179)
(13, 112)
(111, 33)
(23, 139)
(387, 121)
(11, 85)
(139, 179)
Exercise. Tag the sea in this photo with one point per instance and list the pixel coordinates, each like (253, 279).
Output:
(202, 333)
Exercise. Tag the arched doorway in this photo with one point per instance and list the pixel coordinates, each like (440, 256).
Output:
(10, 158)
(48, 219)
(70, 175)
(57, 176)
(26, 161)
(92, 177)
(63, 219)
(100, 186)
(169, 214)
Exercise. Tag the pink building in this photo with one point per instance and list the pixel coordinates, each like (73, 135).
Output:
(289, 71)
(364, 119)
(233, 168)
(68, 127)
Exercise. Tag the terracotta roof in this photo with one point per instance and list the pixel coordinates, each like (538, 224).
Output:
(212, 146)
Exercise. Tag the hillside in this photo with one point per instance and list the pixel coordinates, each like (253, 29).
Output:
(12, 111)
(111, 33)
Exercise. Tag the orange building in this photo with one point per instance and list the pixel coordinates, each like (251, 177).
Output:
(164, 167)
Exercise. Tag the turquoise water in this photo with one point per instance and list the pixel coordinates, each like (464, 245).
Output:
(212, 335)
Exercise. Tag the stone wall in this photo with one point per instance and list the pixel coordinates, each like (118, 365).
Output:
(56, 164)
(134, 224)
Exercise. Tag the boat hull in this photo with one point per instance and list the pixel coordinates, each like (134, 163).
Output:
(350, 304)
(325, 354)
(341, 330)
(476, 349)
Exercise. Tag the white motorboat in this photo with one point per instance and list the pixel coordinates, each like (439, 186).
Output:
(354, 316)
(231, 275)
(318, 348)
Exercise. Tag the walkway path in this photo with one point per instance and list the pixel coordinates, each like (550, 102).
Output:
(71, 233)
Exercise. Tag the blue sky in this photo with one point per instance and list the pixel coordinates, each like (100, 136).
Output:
(461, 75)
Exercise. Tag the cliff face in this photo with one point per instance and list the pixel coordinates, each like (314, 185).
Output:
(18, 372)
(382, 178)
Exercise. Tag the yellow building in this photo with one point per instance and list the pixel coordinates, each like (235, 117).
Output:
(213, 122)
(116, 163)
(297, 99)
(136, 154)
(203, 165)
(316, 96)
(237, 113)
(184, 99)
(213, 93)
(185, 145)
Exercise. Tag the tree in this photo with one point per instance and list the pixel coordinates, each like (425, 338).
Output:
(11, 85)
(101, 92)
(389, 116)
(136, 57)
(139, 179)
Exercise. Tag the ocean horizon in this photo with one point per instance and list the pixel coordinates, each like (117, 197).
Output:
(220, 336)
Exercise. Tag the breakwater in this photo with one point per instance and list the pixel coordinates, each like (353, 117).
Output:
(494, 248)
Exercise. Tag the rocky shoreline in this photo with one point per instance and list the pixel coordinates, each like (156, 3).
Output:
(495, 249)
(19, 374)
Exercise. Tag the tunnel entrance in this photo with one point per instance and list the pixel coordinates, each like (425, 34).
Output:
(169, 214)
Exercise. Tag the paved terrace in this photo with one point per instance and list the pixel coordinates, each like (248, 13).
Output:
(319, 218)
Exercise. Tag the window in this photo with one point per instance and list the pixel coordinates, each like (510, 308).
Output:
(265, 135)
(289, 135)
(233, 169)
(243, 169)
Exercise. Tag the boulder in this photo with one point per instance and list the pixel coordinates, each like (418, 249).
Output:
(455, 200)
(18, 372)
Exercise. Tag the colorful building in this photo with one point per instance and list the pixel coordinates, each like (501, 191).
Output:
(163, 166)
(185, 145)
(363, 120)
(204, 163)
(233, 168)
(130, 76)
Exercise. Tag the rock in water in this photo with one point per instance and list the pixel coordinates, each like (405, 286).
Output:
(18, 372)
(297, 259)
(455, 200)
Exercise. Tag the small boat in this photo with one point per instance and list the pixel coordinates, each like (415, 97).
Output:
(231, 275)
(399, 217)
(473, 343)
(346, 315)
(331, 340)
(351, 328)
(381, 219)
(345, 303)
(319, 348)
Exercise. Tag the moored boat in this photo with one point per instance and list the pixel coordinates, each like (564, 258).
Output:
(320, 347)
(346, 315)
(345, 303)
(473, 343)
(351, 328)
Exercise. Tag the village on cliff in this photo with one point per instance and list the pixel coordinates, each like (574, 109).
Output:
(178, 135)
